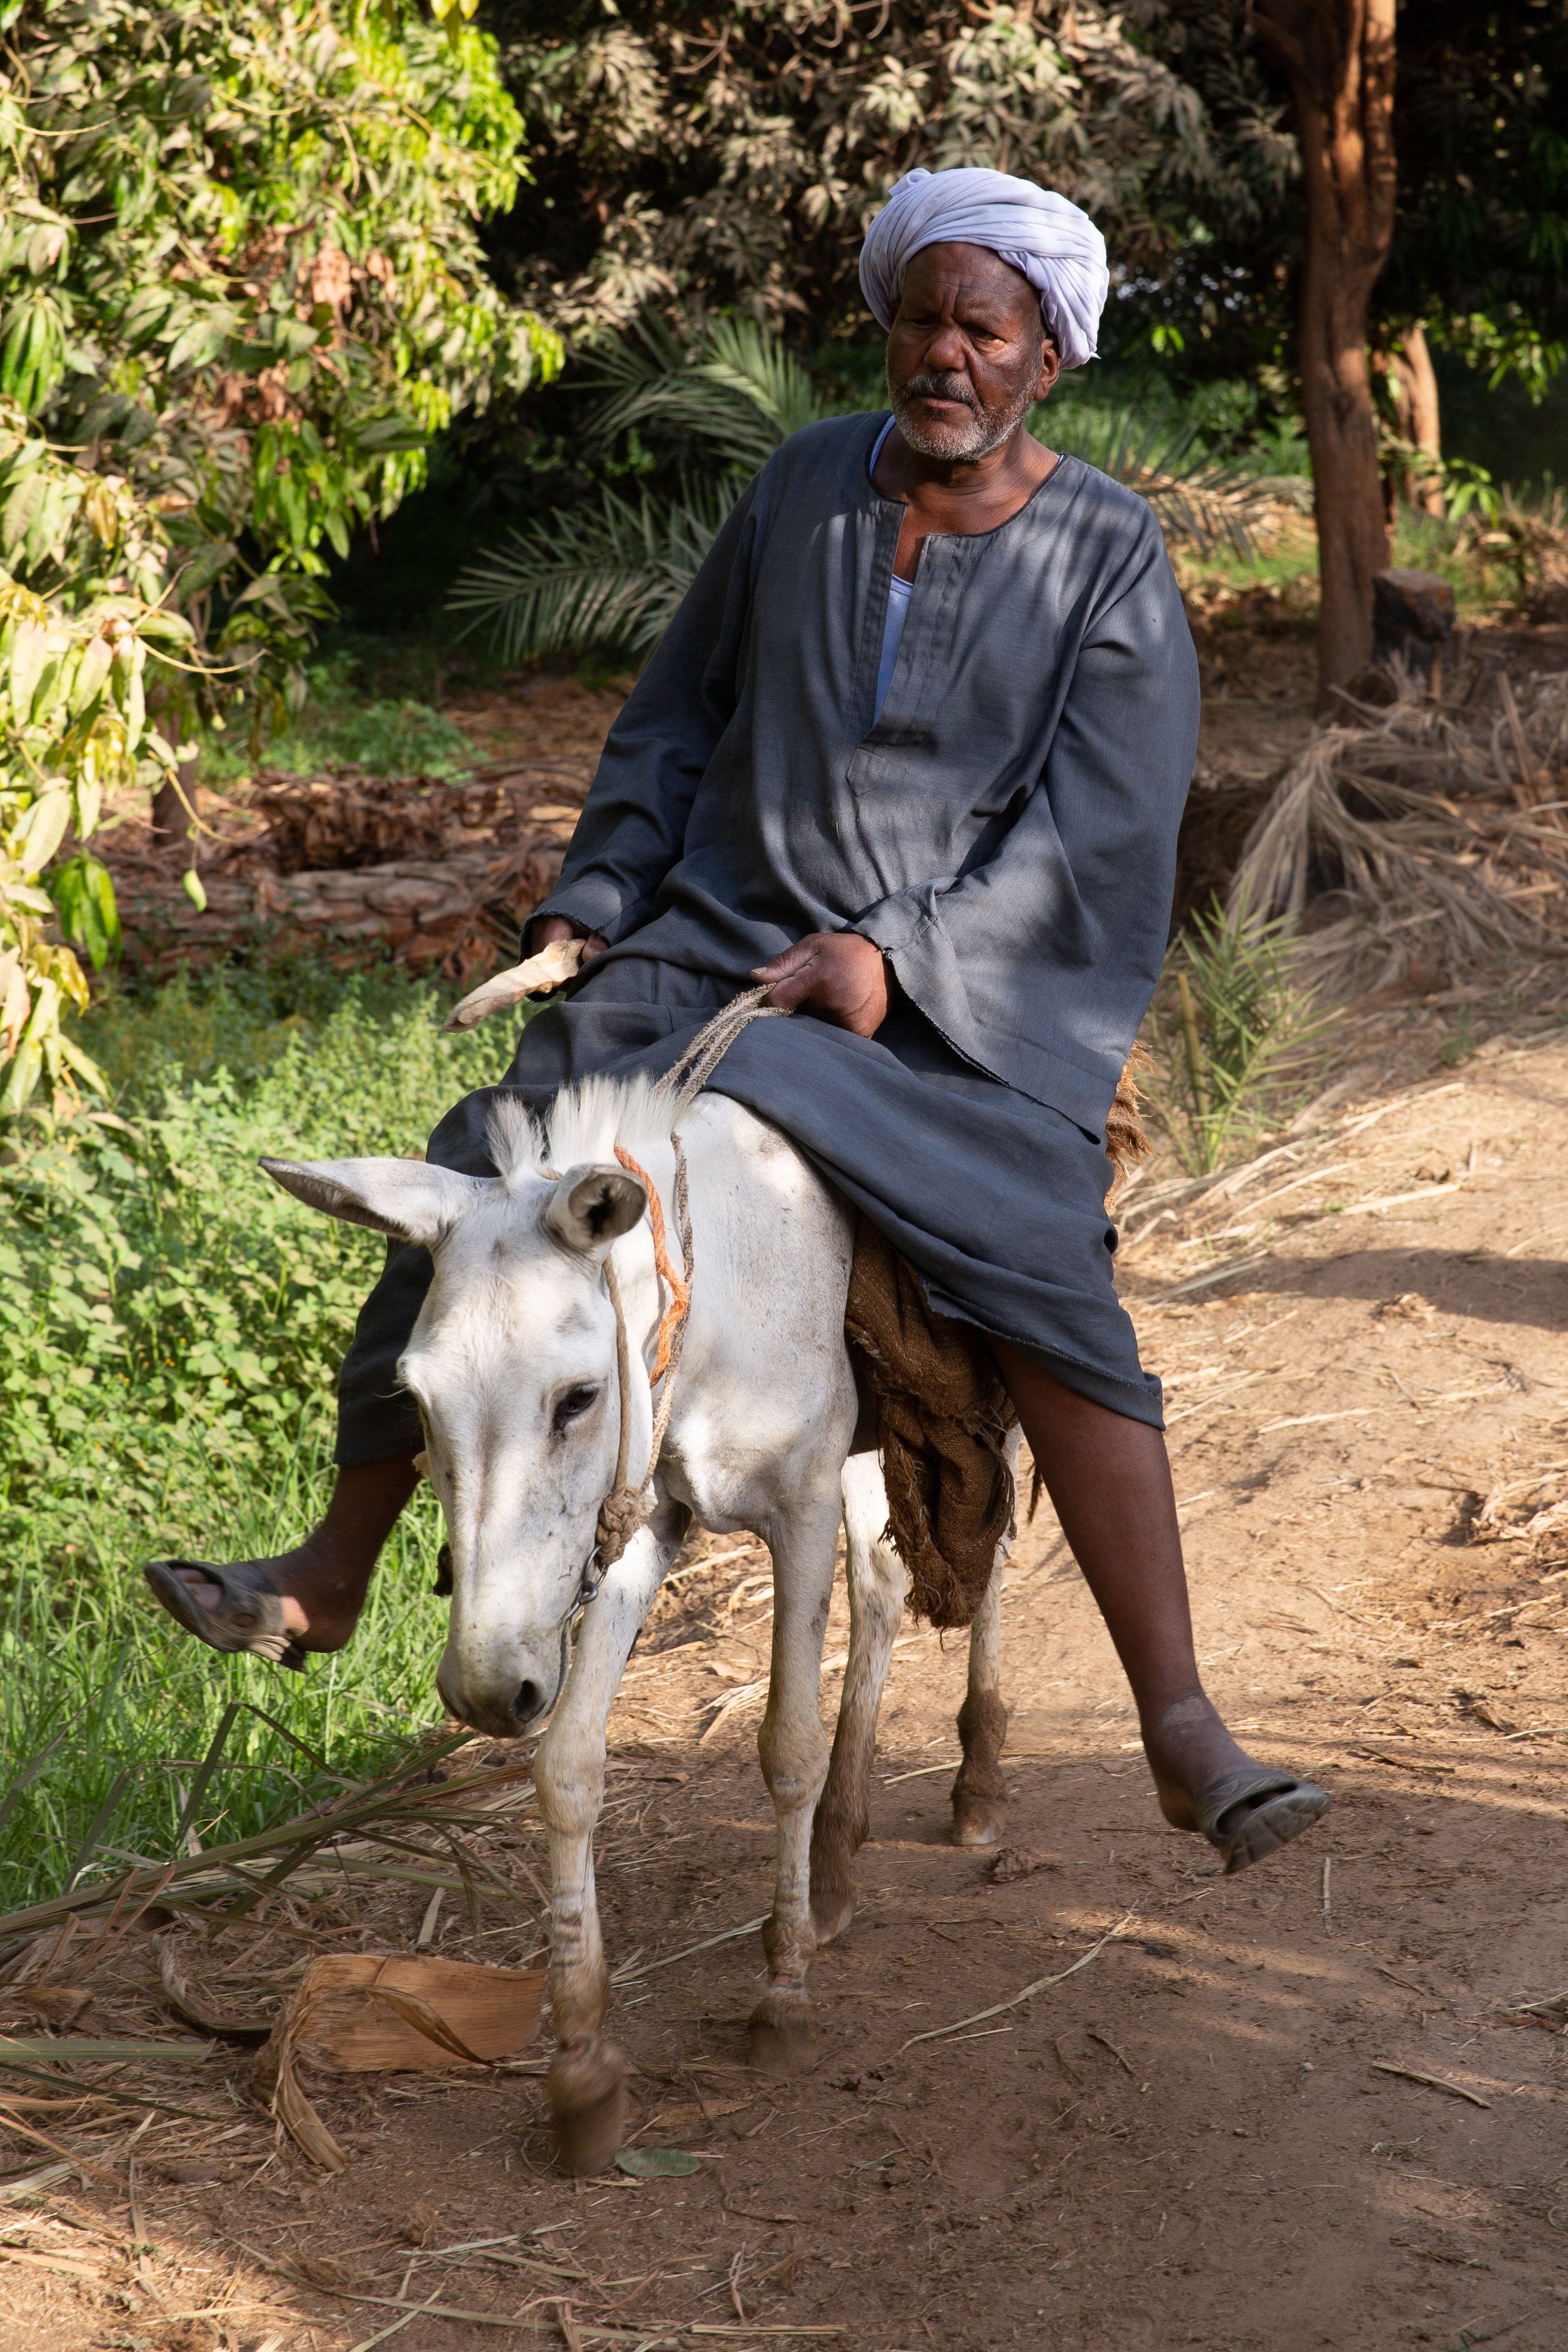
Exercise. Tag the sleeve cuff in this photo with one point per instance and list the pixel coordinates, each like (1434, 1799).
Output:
(594, 906)
(893, 922)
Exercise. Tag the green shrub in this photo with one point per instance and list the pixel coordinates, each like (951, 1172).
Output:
(1236, 1031)
(170, 1321)
(170, 1324)
(343, 722)
(105, 1706)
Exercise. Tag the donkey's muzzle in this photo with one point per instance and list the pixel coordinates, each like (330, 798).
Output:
(501, 1716)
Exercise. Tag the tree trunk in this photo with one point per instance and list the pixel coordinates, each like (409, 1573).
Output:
(1415, 389)
(1338, 55)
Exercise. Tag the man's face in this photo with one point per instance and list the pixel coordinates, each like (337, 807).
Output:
(967, 355)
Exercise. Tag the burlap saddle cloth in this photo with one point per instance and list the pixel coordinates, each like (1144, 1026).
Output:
(942, 1418)
(943, 1414)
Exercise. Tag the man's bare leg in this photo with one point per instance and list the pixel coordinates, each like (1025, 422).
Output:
(1110, 1479)
(323, 1580)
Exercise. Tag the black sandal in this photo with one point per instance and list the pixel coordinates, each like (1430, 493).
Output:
(248, 1617)
(1262, 1829)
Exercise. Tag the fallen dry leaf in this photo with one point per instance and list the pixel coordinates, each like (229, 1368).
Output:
(368, 2012)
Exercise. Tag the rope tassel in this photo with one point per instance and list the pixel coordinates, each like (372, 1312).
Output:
(679, 1292)
(624, 1510)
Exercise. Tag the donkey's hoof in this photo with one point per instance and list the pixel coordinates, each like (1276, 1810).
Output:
(781, 2035)
(977, 1821)
(587, 2091)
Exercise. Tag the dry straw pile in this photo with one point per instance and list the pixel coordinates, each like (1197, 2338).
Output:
(1426, 838)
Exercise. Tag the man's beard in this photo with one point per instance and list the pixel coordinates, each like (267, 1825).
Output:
(957, 444)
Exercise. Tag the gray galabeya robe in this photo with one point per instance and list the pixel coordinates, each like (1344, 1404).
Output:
(1005, 832)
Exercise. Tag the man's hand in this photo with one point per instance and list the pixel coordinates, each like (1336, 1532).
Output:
(556, 927)
(838, 975)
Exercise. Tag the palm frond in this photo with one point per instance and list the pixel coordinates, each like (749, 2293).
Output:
(1448, 847)
(735, 389)
(1205, 501)
(610, 578)
(756, 364)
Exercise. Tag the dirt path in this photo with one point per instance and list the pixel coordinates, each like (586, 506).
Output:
(1196, 2137)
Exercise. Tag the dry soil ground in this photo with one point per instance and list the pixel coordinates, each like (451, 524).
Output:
(1321, 2104)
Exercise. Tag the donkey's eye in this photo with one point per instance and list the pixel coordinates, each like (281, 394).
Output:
(572, 1407)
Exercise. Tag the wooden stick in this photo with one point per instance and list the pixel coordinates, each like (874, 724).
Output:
(531, 2323)
(671, 2332)
(1106, 2043)
(50, 2263)
(747, 1928)
(1516, 729)
(1433, 2082)
(729, 2328)
(82, 2163)
(1042, 1984)
(537, 976)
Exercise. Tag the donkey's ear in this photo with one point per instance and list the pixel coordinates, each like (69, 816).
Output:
(407, 1199)
(591, 1207)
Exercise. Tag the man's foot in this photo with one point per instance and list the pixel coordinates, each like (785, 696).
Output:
(1189, 1748)
(1209, 1784)
(320, 1586)
(320, 1603)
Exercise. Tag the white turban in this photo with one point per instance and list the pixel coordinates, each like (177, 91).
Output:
(1057, 246)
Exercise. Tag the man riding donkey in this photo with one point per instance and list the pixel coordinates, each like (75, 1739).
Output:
(914, 751)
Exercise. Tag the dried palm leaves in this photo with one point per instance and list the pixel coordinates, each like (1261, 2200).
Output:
(1422, 836)
(364, 2012)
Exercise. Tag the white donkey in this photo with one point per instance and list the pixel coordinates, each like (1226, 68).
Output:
(513, 1362)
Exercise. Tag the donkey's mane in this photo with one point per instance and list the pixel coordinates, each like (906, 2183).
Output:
(583, 1123)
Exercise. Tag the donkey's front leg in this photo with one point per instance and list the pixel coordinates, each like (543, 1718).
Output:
(587, 2084)
(792, 1748)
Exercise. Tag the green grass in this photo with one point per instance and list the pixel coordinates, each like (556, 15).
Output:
(87, 1660)
(1423, 544)
(1286, 568)
(346, 720)
(170, 1324)
(1284, 565)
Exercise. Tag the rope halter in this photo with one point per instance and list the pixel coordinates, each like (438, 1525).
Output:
(625, 1507)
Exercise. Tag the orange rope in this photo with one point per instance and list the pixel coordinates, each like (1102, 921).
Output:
(680, 1293)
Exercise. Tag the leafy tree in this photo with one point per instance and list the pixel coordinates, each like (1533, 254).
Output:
(1479, 262)
(733, 156)
(241, 287)
(1477, 255)
(1290, 196)
(73, 727)
(244, 257)
(1338, 58)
